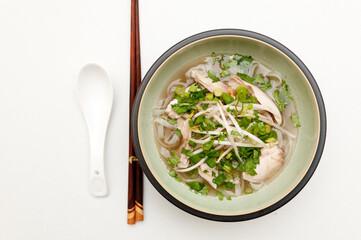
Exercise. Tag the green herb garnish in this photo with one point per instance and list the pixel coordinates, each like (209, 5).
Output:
(174, 160)
(198, 187)
(177, 132)
(212, 76)
(192, 144)
(281, 104)
(219, 179)
(295, 120)
(220, 195)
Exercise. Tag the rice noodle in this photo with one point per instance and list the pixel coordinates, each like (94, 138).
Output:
(256, 185)
(164, 123)
(172, 140)
(164, 152)
(160, 131)
(192, 167)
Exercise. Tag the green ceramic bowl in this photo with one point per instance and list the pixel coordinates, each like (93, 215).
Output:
(308, 99)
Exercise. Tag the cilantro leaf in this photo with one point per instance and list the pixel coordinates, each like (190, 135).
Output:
(245, 77)
(219, 179)
(220, 195)
(229, 185)
(192, 144)
(213, 77)
(295, 120)
(281, 104)
(285, 90)
(174, 160)
(173, 121)
(198, 187)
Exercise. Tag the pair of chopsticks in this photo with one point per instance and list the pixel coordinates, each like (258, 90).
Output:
(135, 175)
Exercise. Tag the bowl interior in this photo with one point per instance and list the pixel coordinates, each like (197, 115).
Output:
(305, 102)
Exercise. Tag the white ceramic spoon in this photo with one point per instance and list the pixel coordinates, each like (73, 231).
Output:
(95, 94)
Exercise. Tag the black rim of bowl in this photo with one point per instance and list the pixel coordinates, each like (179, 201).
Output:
(285, 199)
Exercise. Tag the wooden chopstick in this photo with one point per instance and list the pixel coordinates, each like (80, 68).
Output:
(135, 174)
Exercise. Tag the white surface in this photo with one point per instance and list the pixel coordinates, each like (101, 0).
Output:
(44, 159)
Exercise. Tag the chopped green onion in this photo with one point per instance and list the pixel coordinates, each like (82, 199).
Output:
(186, 95)
(207, 146)
(273, 134)
(227, 168)
(179, 90)
(268, 128)
(179, 179)
(205, 107)
(211, 162)
(177, 132)
(235, 133)
(186, 152)
(270, 140)
(248, 190)
(218, 92)
(192, 88)
(172, 173)
(229, 198)
(209, 97)
(197, 157)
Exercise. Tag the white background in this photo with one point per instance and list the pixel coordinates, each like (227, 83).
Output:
(43, 138)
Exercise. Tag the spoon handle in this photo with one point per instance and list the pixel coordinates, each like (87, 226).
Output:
(97, 183)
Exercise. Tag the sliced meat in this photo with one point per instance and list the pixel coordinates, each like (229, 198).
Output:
(186, 133)
(261, 96)
(206, 82)
(207, 176)
(270, 162)
(183, 160)
(183, 126)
